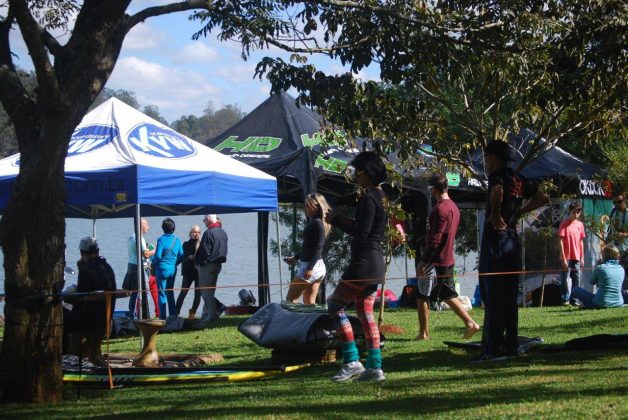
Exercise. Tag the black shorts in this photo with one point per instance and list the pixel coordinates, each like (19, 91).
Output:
(439, 287)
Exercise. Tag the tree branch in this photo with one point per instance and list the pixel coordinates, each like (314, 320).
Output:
(32, 33)
(13, 96)
(165, 9)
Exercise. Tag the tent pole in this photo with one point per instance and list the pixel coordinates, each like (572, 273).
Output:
(138, 253)
(523, 259)
(93, 228)
(279, 259)
(405, 257)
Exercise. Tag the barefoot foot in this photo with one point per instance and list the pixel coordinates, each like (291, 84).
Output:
(471, 329)
(421, 337)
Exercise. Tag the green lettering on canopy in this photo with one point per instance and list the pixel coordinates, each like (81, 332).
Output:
(251, 144)
(263, 144)
(330, 164)
(311, 141)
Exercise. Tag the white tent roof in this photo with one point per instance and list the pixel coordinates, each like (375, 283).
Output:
(119, 157)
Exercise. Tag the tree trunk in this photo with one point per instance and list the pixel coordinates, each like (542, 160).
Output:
(32, 234)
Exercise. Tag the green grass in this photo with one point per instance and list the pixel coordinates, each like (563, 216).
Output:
(423, 378)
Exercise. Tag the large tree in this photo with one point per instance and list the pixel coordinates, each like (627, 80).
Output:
(68, 79)
(458, 74)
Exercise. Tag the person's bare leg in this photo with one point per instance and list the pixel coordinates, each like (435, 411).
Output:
(423, 310)
(471, 327)
(310, 292)
(295, 290)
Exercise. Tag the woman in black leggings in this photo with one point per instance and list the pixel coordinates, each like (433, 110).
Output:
(365, 271)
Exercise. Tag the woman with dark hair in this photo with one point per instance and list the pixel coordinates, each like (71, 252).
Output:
(366, 270)
(168, 255)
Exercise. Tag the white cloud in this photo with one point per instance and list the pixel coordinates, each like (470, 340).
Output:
(174, 91)
(143, 36)
(235, 73)
(195, 53)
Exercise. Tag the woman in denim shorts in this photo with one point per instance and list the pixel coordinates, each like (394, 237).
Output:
(311, 268)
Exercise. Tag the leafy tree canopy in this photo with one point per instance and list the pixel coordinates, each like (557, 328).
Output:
(457, 75)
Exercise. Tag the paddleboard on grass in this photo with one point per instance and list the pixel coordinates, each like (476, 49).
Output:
(525, 344)
(155, 376)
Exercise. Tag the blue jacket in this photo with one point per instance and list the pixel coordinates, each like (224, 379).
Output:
(608, 276)
(165, 257)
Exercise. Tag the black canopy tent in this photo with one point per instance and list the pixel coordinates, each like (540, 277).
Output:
(568, 173)
(284, 140)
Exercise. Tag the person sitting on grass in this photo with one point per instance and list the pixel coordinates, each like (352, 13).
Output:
(608, 276)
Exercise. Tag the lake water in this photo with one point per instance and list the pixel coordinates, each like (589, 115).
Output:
(239, 272)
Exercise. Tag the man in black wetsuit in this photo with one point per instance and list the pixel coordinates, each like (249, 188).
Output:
(500, 251)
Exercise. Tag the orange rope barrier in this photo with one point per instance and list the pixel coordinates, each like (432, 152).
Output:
(369, 280)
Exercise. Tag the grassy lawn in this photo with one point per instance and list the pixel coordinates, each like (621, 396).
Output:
(423, 378)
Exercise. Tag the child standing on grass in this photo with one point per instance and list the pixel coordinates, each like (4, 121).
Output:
(571, 235)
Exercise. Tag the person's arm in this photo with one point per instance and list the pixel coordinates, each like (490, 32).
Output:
(340, 221)
(364, 217)
(359, 227)
(437, 231)
(318, 242)
(563, 259)
(158, 251)
(595, 275)
(581, 252)
(539, 199)
(179, 251)
(496, 196)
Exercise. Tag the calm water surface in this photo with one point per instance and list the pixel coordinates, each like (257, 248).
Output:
(239, 272)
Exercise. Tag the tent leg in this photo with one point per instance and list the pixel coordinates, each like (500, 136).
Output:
(140, 268)
(263, 289)
(279, 258)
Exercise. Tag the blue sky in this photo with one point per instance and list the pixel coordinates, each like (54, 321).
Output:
(164, 67)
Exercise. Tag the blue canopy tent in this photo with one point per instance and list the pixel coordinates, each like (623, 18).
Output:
(121, 163)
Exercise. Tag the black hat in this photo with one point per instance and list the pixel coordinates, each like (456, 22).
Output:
(500, 149)
(372, 164)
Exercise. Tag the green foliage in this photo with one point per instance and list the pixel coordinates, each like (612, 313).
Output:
(211, 123)
(457, 75)
(126, 96)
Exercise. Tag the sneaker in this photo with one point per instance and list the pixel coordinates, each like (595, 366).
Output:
(487, 357)
(371, 375)
(348, 371)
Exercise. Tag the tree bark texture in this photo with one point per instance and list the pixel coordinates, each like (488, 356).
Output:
(32, 234)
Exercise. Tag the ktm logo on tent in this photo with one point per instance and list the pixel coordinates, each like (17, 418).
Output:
(160, 142)
(91, 137)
